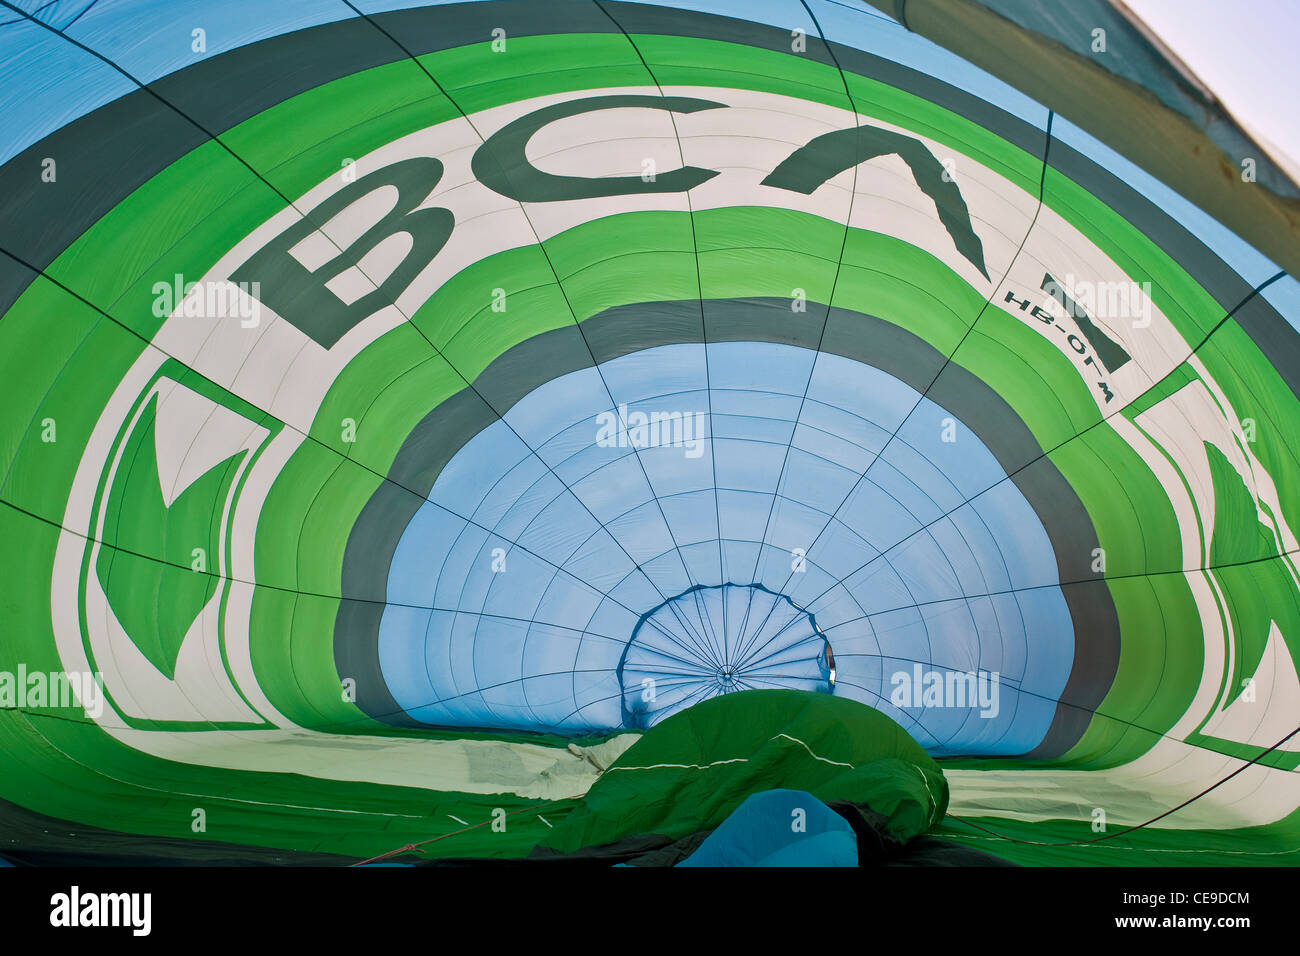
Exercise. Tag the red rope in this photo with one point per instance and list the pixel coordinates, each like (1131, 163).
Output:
(416, 846)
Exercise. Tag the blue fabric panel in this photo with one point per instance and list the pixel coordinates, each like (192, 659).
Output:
(779, 828)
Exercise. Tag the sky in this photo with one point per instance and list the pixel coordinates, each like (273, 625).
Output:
(1246, 51)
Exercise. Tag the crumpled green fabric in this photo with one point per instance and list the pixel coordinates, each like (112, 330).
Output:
(690, 772)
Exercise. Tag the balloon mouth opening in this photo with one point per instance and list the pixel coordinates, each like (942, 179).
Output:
(714, 640)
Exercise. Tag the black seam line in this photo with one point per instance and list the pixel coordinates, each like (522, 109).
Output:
(812, 368)
(947, 361)
(84, 10)
(720, 647)
(925, 392)
(291, 205)
(43, 6)
(1110, 836)
(573, 314)
(704, 329)
(1046, 454)
(939, 374)
(688, 631)
(699, 288)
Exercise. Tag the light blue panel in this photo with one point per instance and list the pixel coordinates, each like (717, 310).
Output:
(829, 433)
(600, 563)
(876, 516)
(668, 572)
(464, 582)
(965, 555)
(803, 589)
(971, 535)
(925, 569)
(571, 604)
(915, 480)
(841, 552)
(845, 612)
(754, 416)
(46, 83)
(685, 469)
(531, 495)
(637, 592)
(736, 514)
(642, 532)
(1047, 621)
(459, 488)
(965, 460)
(518, 591)
(911, 488)
(1023, 545)
(703, 562)
(537, 645)
(759, 367)
(557, 405)
(613, 618)
(653, 373)
(151, 38)
(420, 554)
(404, 629)
(56, 13)
(878, 588)
(691, 516)
(615, 488)
(744, 465)
(573, 457)
(560, 529)
(1002, 615)
(820, 482)
(953, 631)
(871, 394)
(794, 524)
(902, 634)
